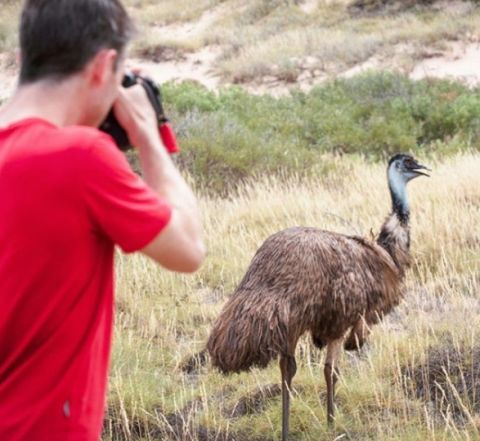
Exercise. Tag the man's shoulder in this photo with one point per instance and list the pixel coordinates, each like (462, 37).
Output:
(38, 136)
(83, 137)
(94, 151)
(60, 152)
(84, 144)
(75, 149)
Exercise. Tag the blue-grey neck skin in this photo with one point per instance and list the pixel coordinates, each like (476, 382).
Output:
(397, 183)
(394, 235)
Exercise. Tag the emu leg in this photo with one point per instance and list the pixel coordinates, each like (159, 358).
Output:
(288, 367)
(357, 336)
(331, 375)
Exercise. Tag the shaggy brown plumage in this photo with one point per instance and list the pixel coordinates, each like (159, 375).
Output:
(302, 279)
(310, 280)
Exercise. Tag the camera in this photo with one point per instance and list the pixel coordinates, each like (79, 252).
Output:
(116, 131)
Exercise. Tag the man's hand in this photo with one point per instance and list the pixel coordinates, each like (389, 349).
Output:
(136, 115)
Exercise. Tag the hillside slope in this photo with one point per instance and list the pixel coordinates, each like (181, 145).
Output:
(273, 45)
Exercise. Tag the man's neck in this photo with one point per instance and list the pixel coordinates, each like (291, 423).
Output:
(59, 103)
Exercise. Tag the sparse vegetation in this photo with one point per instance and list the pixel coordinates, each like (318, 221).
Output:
(449, 379)
(277, 39)
(231, 136)
(264, 39)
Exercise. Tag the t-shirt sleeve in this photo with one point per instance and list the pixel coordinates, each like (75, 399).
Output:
(120, 203)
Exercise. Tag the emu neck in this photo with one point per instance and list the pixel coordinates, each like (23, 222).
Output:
(398, 193)
(395, 233)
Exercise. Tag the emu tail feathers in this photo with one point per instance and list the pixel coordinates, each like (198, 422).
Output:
(243, 337)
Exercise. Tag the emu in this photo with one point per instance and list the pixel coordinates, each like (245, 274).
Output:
(309, 280)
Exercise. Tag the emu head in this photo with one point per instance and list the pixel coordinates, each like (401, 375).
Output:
(403, 168)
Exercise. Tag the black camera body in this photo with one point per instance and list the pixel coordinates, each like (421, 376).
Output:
(114, 129)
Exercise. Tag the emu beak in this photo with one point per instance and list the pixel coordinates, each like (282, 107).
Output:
(418, 167)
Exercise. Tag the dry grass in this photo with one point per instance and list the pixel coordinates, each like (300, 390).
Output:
(170, 23)
(164, 12)
(277, 38)
(334, 45)
(164, 318)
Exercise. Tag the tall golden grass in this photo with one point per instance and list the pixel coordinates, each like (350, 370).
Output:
(163, 318)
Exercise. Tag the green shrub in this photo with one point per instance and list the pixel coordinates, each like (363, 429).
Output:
(232, 135)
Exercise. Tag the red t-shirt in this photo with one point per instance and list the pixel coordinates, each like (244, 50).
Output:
(67, 195)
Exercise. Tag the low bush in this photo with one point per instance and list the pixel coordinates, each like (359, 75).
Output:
(232, 135)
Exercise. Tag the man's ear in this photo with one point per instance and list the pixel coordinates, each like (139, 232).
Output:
(100, 68)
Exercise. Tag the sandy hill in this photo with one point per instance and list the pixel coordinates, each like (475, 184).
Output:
(269, 46)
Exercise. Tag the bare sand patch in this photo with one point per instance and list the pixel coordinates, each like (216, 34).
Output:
(460, 62)
(308, 6)
(196, 66)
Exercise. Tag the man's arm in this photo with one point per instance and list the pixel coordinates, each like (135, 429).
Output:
(179, 246)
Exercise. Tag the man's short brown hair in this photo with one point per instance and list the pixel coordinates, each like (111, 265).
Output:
(59, 37)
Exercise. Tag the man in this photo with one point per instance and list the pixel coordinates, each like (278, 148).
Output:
(67, 195)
